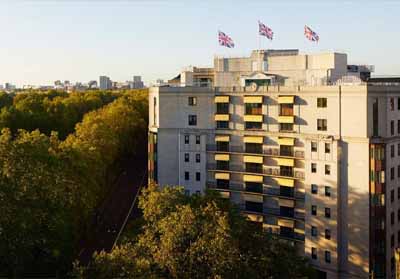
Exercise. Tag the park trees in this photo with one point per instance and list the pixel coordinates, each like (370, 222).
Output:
(196, 237)
(49, 187)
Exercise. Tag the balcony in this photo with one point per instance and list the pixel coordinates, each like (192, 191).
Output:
(256, 150)
(285, 173)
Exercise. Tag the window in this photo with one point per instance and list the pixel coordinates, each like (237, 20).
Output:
(192, 120)
(197, 139)
(321, 102)
(392, 240)
(398, 193)
(327, 191)
(154, 111)
(222, 124)
(398, 103)
(186, 175)
(322, 125)
(327, 234)
(398, 126)
(313, 210)
(391, 173)
(392, 196)
(327, 212)
(314, 188)
(392, 218)
(392, 151)
(327, 256)
(398, 171)
(391, 104)
(192, 101)
(187, 192)
(314, 231)
(398, 237)
(186, 157)
(313, 167)
(327, 148)
(197, 158)
(197, 176)
(314, 146)
(222, 108)
(327, 169)
(398, 147)
(314, 253)
(198, 192)
(186, 139)
(398, 215)
(392, 127)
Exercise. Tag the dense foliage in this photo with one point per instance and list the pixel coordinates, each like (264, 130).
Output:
(49, 186)
(196, 237)
(49, 111)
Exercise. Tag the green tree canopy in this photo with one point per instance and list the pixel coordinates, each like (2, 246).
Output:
(196, 237)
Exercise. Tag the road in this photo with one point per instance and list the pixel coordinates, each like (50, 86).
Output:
(112, 214)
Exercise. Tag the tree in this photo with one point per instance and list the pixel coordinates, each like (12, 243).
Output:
(196, 237)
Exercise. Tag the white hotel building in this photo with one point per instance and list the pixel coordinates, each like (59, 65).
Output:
(306, 145)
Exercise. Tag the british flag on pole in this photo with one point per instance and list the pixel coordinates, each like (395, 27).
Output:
(310, 34)
(225, 40)
(264, 30)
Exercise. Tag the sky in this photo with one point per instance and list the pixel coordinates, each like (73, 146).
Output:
(78, 40)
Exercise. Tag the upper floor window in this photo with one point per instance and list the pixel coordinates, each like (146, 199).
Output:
(192, 120)
(197, 139)
(197, 176)
(327, 234)
(391, 103)
(314, 146)
(392, 150)
(313, 210)
(327, 169)
(322, 124)
(186, 139)
(392, 128)
(186, 157)
(222, 108)
(313, 167)
(327, 212)
(322, 102)
(198, 158)
(192, 101)
(314, 231)
(186, 175)
(327, 148)
(327, 191)
(314, 189)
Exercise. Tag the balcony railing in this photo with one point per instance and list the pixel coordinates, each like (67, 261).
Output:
(278, 172)
(268, 151)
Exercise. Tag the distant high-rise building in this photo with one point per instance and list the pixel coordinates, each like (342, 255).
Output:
(137, 83)
(9, 86)
(105, 83)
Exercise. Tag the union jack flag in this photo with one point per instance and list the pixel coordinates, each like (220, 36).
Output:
(310, 34)
(264, 30)
(225, 40)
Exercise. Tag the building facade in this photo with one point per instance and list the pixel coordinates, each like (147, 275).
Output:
(105, 83)
(317, 164)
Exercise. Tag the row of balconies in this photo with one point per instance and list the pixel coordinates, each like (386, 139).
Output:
(291, 214)
(264, 151)
(282, 192)
(285, 172)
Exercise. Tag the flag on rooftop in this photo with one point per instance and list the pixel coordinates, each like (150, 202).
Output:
(264, 30)
(225, 40)
(310, 34)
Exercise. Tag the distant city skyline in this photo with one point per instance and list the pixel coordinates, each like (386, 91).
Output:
(44, 41)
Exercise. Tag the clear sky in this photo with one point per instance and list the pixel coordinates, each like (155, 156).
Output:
(42, 41)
